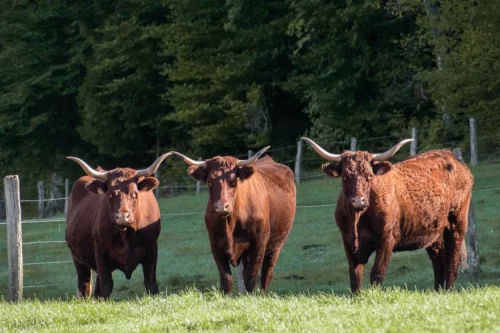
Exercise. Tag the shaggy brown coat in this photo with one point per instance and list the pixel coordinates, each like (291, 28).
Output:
(259, 209)
(99, 242)
(422, 202)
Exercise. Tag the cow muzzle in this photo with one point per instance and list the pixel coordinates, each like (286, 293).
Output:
(223, 208)
(123, 219)
(359, 203)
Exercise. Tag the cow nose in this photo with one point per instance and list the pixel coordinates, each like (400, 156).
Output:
(122, 218)
(359, 203)
(222, 208)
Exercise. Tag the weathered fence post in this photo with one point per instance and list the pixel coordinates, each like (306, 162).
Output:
(298, 162)
(66, 196)
(470, 237)
(41, 210)
(198, 183)
(473, 142)
(250, 153)
(2, 205)
(14, 237)
(414, 143)
(353, 143)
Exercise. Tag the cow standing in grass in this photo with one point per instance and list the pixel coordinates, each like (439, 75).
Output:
(113, 223)
(422, 202)
(250, 212)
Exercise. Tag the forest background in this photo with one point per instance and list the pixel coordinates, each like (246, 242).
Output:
(117, 82)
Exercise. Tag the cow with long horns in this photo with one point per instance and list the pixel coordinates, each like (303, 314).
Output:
(422, 202)
(249, 214)
(113, 223)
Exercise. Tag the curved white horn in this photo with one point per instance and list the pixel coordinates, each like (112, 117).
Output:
(321, 152)
(151, 170)
(88, 170)
(254, 158)
(190, 161)
(385, 156)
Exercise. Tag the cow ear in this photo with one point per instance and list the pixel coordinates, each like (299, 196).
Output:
(245, 172)
(198, 173)
(147, 184)
(96, 187)
(332, 169)
(379, 168)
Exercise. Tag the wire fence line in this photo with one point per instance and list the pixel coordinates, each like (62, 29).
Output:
(280, 158)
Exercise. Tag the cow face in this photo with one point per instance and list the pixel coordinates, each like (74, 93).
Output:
(123, 187)
(222, 175)
(357, 170)
(123, 190)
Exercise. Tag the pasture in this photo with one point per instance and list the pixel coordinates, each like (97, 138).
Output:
(310, 285)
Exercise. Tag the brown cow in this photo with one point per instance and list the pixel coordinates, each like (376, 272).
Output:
(113, 223)
(249, 214)
(422, 202)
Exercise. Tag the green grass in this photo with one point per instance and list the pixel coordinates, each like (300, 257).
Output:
(374, 310)
(319, 270)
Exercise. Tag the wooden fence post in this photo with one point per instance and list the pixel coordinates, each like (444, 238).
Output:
(66, 196)
(250, 153)
(14, 238)
(41, 210)
(353, 143)
(198, 183)
(471, 236)
(2, 205)
(298, 162)
(414, 143)
(473, 142)
(157, 190)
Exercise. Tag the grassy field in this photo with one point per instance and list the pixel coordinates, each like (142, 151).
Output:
(312, 262)
(374, 310)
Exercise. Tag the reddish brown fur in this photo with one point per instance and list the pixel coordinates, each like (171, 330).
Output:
(98, 243)
(422, 202)
(261, 201)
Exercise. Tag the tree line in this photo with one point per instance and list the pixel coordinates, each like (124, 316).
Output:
(114, 82)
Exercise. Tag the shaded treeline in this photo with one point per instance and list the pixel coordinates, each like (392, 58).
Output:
(112, 81)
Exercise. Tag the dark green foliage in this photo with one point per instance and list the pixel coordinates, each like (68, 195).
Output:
(118, 82)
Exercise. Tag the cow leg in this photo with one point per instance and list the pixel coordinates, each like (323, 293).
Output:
(84, 275)
(436, 254)
(149, 270)
(355, 267)
(452, 246)
(256, 256)
(267, 271)
(222, 262)
(105, 277)
(382, 258)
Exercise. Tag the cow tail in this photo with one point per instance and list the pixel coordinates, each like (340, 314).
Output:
(462, 265)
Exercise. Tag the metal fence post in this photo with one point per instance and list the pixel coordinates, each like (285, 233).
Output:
(14, 237)
(41, 194)
(353, 143)
(298, 162)
(66, 196)
(473, 141)
(198, 183)
(414, 143)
